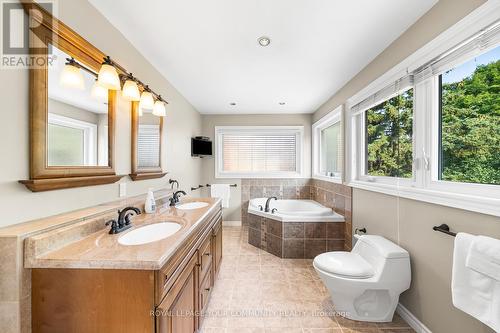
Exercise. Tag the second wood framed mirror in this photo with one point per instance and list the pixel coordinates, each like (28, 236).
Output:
(147, 137)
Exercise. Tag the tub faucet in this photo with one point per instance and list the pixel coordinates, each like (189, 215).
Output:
(267, 203)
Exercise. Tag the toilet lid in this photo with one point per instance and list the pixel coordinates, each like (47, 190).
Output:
(346, 264)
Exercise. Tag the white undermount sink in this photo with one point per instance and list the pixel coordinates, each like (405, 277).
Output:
(192, 205)
(149, 233)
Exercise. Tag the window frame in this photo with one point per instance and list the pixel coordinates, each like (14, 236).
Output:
(361, 171)
(426, 186)
(298, 131)
(89, 135)
(332, 118)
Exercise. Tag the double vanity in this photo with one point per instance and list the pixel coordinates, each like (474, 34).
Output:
(156, 276)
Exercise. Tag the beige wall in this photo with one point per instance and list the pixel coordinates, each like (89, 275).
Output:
(233, 213)
(439, 18)
(183, 121)
(409, 222)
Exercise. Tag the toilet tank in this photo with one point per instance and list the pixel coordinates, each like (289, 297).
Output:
(377, 250)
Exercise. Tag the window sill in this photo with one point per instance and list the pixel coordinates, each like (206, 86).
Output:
(472, 203)
(336, 180)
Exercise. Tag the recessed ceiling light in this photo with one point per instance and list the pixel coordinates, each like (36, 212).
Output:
(264, 41)
(282, 103)
(232, 103)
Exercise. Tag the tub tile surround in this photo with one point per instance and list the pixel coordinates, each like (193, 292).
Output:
(15, 280)
(298, 240)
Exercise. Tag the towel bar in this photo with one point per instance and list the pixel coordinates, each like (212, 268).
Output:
(445, 229)
(232, 185)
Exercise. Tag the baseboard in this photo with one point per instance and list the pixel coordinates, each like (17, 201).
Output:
(231, 223)
(413, 321)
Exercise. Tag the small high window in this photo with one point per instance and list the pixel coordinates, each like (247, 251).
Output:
(328, 147)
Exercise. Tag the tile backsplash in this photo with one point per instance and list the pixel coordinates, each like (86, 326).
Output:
(335, 196)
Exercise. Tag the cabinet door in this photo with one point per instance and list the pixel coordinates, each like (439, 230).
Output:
(177, 312)
(217, 252)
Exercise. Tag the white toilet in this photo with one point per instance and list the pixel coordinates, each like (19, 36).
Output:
(365, 283)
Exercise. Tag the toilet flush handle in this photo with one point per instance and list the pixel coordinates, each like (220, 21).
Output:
(357, 231)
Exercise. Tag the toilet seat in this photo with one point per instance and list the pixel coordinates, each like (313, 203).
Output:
(345, 264)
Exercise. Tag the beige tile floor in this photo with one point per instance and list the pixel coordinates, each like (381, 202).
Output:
(256, 292)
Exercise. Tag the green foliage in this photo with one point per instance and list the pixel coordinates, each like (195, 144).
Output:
(470, 132)
(471, 127)
(389, 130)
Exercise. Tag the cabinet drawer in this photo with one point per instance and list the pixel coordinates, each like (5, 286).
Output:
(205, 260)
(205, 289)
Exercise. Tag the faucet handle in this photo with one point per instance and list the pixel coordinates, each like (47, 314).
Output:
(114, 226)
(261, 208)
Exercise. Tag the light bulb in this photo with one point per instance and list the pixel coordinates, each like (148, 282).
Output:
(159, 109)
(131, 91)
(108, 77)
(72, 77)
(146, 102)
(99, 92)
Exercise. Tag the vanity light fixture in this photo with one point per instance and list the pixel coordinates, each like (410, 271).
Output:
(130, 89)
(99, 92)
(147, 101)
(109, 79)
(71, 76)
(264, 41)
(159, 108)
(108, 76)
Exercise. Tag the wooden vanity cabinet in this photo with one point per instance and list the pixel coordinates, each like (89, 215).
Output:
(168, 300)
(181, 310)
(177, 311)
(217, 245)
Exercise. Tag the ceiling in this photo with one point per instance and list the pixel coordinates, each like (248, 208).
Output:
(209, 51)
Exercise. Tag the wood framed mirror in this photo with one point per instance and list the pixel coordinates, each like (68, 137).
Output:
(71, 126)
(147, 138)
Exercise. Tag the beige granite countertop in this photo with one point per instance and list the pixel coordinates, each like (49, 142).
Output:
(102, 250)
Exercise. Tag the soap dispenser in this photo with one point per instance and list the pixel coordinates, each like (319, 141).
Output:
(150, 204)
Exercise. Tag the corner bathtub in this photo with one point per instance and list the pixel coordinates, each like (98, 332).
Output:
(290, 210)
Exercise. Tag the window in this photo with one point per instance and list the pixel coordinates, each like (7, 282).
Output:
(328, 147)
(433, 134)
(389, 131)
(469, 117)
(148, 146)
(71, 141)
(262, 151)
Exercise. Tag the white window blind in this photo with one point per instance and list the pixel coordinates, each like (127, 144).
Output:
(148, 146)
(480, 43)
(261, 151)
(384, 94)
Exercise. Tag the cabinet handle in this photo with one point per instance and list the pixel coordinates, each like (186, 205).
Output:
(206, 253)
(198, 265)
(207, 289)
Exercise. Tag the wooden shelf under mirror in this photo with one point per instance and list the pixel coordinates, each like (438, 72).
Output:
(147, 138)
(72, 130)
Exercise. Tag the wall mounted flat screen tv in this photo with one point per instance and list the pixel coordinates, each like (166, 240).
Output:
(201, 146)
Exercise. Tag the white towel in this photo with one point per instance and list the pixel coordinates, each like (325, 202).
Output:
(221, 191)
(484, 256)
(472, 292)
